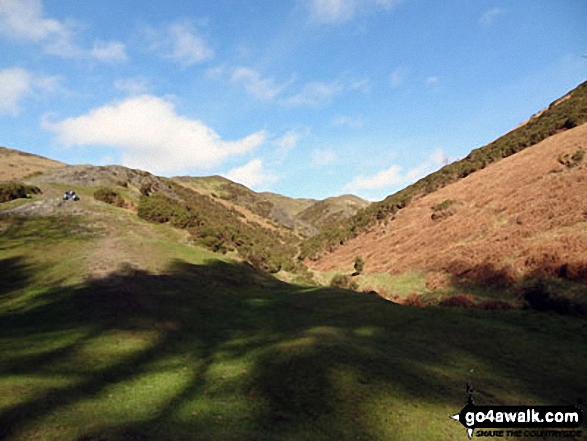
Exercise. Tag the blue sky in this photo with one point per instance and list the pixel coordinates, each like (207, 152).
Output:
(308, 98)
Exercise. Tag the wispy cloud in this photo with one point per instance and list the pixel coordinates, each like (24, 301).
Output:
(395, 176)
(24, 20)
(109, 51)
(432, 80)
(132, 86)
(255, 84)
(398, 76)
(364, 85)
(315, 94)
(252, 174)
(149, 134)
(179, 42)
(342, 11)
(322, 157)
(489, 16)
(17, 83)
(347, 121)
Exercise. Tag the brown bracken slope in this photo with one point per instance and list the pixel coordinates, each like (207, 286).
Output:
(525, 215)
(16, 165)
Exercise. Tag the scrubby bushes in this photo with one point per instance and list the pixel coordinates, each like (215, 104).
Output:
(110, 196)
(573, 160)
(16, 190)
(545, 294)
(214, 226)
(458, 300)
(343, 281)
(359, 265)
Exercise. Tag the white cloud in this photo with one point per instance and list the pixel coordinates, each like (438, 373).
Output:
(347, 121)
(314, 94)
(14, 84)
(132, 86)
(364, 85)
(251, 174)
(109, 51)
(394, 175)
(151, 135)
(23, 20)
(289, 140)
(398, 76)
(322, 157)
(179, 42)
(489, 16)
(432, 80)
(341, 11)
(261, 88)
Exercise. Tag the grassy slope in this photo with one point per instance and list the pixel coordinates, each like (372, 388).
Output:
(177, 345)
(306, 217)
(561, 115)
(15, 164)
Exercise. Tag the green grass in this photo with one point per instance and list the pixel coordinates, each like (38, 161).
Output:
(212, 349)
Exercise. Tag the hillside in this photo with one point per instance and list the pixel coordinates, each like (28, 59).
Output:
(306, 217)
(563, 114)
(116, 328)
(522, 217)
(15, 164)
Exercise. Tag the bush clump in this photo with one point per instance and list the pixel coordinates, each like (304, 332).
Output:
(359, 265)
(16, 190)
(573, 160)
(110, 196)
(547, 294)
(343, 281)
(458, 300)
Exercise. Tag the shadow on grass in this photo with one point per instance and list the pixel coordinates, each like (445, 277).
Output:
(222, 351)
(15, 274)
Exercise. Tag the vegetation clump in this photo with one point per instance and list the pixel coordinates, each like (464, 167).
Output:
(359, 265)
(110, 196)
(443, 210)
(210, 225)
(343, 281)
(573, 160)
(16, 190)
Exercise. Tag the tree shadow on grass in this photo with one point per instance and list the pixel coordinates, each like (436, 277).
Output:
(222, 351)
(15, 274)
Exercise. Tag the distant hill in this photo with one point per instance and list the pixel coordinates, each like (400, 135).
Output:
(563, 114)
(306, 217)
(15, 164)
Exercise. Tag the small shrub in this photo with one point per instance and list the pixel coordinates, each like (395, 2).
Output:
(573, 160)
(343, 281)
(493, 305)
(458, 300)
(110, 196)
(16, 190)
(443, 210)
(359, 265)
(414, 299)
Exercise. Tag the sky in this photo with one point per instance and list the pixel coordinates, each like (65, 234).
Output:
(307, 98)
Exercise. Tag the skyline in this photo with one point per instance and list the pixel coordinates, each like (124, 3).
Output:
(307, 98)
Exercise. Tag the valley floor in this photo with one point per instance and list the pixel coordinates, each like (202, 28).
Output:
(121, 330)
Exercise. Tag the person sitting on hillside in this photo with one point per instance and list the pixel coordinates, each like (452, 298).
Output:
(70, 195)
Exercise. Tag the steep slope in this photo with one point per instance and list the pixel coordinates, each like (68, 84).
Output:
(563, 114)
(306, 217)
(210, 222)
(15, 164)
(524, 215)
